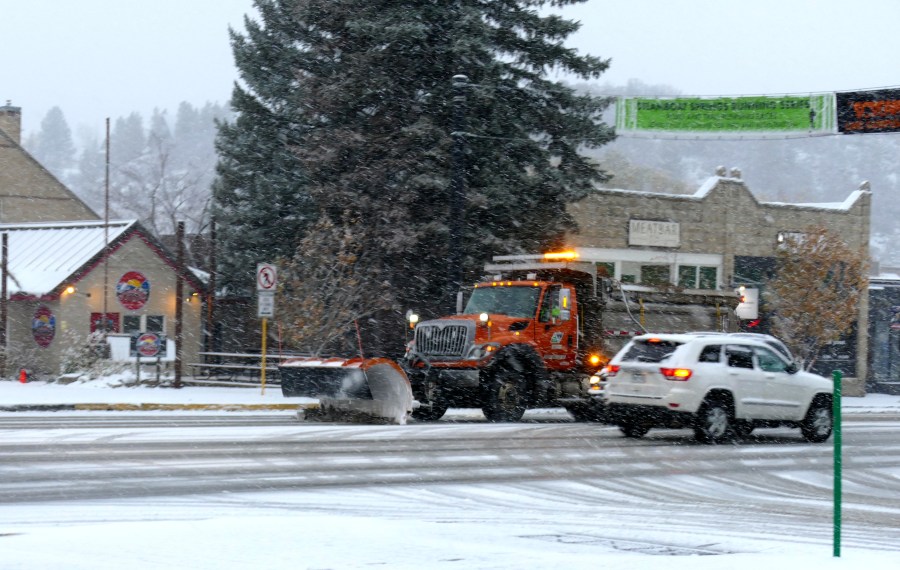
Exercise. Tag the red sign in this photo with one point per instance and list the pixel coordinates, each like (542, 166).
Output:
(133, 290)
(43, 326)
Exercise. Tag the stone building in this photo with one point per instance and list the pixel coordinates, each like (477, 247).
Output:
(718, 238)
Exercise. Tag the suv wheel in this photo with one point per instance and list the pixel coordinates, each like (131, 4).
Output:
(743, 428)
(635, 430)
(714, 422)
(816, 426)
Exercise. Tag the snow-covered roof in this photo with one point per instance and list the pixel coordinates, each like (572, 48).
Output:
(42, 256)
(845, 205)
(710, 184)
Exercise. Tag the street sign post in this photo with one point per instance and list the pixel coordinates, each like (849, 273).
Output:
(265, 304)
(266, 284)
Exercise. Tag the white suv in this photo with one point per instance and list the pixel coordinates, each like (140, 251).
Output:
(720, 385)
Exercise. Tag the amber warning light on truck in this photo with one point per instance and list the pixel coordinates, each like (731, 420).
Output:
(561, 255)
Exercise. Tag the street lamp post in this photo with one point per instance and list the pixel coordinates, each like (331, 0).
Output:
(457, 189)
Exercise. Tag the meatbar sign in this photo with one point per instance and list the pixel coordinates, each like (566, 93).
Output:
(654, 233)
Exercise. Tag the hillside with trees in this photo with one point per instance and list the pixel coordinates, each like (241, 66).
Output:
(160, 169)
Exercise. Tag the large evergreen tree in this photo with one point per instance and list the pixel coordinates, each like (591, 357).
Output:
(346, 112)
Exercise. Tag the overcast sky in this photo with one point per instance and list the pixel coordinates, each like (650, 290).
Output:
(107, 58)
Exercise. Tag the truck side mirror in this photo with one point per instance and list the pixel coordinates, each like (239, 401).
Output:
(565, 304)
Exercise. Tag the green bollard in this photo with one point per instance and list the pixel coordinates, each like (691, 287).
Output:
(836, 424)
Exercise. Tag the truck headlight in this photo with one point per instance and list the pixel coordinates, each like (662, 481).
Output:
(480, 351)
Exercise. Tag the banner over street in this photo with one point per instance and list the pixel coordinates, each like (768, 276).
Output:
(812, 113)
(869, 111)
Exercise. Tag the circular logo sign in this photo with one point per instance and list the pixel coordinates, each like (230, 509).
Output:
(43, 326)
(148, 344)
(133, 290)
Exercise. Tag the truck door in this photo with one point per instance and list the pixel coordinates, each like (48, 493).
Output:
(556, 332)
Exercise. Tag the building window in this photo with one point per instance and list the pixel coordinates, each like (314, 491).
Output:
(606, 269)
(655, 275)
(131, 324)
(155, 323)
(709, 278)
(143, 323)
(111, 324)
(687, 276)
(694, 277)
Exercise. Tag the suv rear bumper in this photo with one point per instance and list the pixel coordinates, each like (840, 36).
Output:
(654, 416)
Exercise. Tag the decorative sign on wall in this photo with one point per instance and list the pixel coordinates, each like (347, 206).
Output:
(43, 326)
(133, 290)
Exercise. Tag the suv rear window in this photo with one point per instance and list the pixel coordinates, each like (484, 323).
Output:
(650, 350)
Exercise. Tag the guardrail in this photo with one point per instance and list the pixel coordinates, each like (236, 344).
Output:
(236, 368)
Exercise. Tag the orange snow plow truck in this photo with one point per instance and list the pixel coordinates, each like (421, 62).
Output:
(536, 334)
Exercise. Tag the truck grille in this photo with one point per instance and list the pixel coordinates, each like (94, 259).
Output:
(438, 338)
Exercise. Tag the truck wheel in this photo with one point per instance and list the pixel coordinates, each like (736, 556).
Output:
(504, 391)
(714, 421)
(817, 425)
(429, 413)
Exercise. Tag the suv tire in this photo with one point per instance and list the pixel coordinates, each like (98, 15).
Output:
(714, 422)
(817, 425)
(634, 430)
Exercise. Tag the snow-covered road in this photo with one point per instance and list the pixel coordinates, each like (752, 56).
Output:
(116, 490)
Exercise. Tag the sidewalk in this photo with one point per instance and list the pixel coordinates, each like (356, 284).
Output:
(114, 394)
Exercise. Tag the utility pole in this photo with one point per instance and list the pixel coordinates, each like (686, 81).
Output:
(457, 212)
(179, 302)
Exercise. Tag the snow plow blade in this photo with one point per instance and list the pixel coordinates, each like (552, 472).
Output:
(352, 389)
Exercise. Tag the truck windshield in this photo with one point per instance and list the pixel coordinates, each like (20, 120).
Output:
(509, 301)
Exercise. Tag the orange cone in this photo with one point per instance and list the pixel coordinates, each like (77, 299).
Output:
(23, 376)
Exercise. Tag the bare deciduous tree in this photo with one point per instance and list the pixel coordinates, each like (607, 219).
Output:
(327, 286)
(816, 290)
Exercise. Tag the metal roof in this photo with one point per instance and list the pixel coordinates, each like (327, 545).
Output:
(43, 256)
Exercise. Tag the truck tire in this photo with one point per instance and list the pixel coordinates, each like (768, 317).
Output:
(429, 413)
(714, 421)
(505, 389)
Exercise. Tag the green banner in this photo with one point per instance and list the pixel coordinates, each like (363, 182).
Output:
(727, 114)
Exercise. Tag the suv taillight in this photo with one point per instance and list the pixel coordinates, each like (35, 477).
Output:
(612, 369)
(680, 374)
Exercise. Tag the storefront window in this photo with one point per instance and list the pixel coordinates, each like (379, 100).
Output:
(694, 277)
(655, 275)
